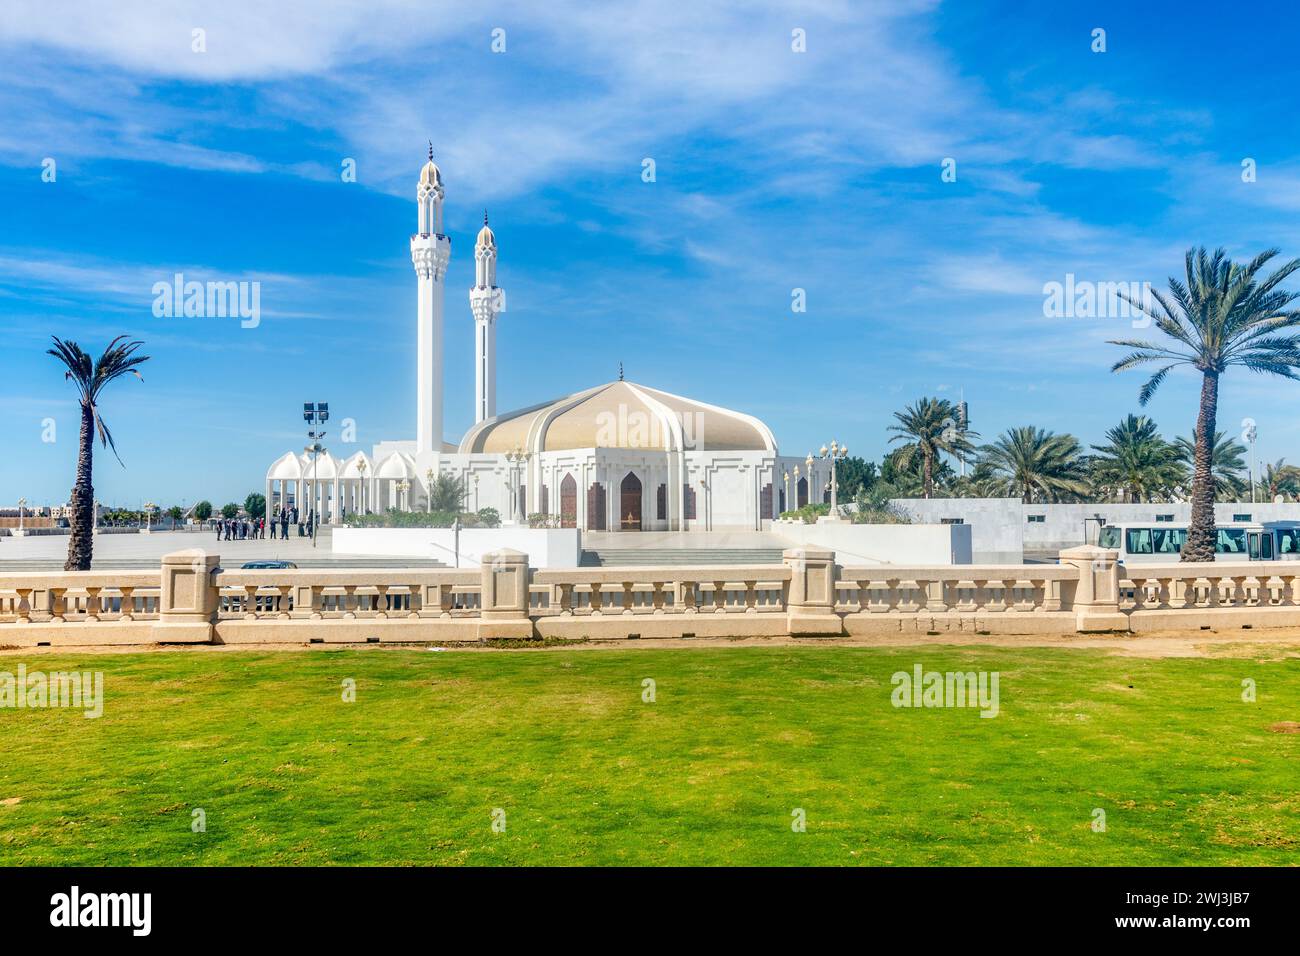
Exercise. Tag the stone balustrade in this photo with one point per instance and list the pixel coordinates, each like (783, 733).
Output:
(191, 599)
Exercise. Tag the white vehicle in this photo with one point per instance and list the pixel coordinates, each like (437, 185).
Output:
(1159, 543)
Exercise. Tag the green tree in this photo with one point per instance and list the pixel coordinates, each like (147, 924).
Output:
(929, 427)
(176, 513)
(1035, 465)
(229, 510)
(1224, 314)
(1227, 463)
(255, 504)
(203, 510)
(1279, 479)
(90, 378)
(855, 474)
(447, 494)
(1136, 464)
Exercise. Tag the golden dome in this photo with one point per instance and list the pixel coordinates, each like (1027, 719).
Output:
(619, 415)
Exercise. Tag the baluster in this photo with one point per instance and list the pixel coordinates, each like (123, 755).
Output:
(1162, 593)
(566, 600)
(58, 605)
(127, 609)
(980, 595)
(658, 598)
(24, 607)
(596, 598)
(751, 597)
(92, 603)
(719, 597)
(1239, 590)
(1189, 592)
(691, 605)
(629, 599)
(250, 602)
(1139, 593)
(1287, 596)
(1009, 595)
(935, 600)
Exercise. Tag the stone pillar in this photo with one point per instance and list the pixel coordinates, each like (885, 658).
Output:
(810, 606)
(187, 611)
(1096, 595)
(503, 591)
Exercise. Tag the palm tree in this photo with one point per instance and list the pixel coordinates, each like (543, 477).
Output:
(1136, 461)
(1280, 479)
(1224, 315)
(447, 494)
(931, 426)
(1226, 464)
(90, 379)
(1035, 465)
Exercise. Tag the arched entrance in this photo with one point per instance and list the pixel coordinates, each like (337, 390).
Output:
(803, 492)
(629, 509)
(568, 502)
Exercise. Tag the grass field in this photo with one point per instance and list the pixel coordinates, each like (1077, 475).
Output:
(587, 772)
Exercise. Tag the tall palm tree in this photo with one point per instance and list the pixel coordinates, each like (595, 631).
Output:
(447, 494)
(931, 426)
(1035, 465)
(1279, 479)
(90, 378)
(1136, 461)
(1227, 462)
(1225, 314)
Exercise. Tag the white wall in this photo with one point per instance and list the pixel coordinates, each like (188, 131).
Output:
(1002, 531)
(545, 548)
(908, 544)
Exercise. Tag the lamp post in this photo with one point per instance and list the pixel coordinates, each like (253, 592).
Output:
(428, 477)
(518, 459)
(786, 475)
(148, 517)
(315, 414)
(403, 487)
(833, 454)
(1250, 431)
(22, 503)
(361, 467)
(796, 488)
(476, 492)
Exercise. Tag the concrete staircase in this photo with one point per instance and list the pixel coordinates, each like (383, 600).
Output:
(676, 557)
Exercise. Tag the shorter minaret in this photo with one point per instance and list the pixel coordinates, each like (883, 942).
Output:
(486, 300)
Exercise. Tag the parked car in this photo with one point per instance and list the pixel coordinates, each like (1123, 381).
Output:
(268, 565)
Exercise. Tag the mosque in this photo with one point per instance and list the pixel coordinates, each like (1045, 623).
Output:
(618, 456)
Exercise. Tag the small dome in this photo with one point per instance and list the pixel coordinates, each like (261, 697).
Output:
(431, 174)
(485, 235)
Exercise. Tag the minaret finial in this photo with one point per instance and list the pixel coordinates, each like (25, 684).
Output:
(485, 215)
(620, 371)
(430, 150)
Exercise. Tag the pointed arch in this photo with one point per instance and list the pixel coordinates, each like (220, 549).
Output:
(629, 508)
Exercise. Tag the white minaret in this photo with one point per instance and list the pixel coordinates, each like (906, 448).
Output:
(486, 300)
(430, 252)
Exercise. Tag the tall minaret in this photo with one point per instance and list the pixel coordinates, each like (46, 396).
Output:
(486, 301)
(430, 252)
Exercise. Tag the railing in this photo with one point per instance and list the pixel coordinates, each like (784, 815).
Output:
(193, 600)
(85, 597)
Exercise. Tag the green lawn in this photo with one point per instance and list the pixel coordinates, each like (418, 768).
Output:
(709, 773)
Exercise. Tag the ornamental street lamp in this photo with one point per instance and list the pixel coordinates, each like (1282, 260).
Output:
(315, 414)
(833, 454)
(476, 492)
(518, 458)
(361, 467)
(403, 487)
(786, 475)
(428, 477)
(22, 503)
(148, 516)
(796, 488)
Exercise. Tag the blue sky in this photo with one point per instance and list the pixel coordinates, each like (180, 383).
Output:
(775, 170)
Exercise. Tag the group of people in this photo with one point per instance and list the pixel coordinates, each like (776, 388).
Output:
(243, 529)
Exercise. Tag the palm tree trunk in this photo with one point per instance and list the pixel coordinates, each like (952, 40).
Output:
(929, 474)
(81, 541)
(1201, 533)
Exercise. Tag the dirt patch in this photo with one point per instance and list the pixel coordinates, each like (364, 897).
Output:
(11, 801)
(1285, 727)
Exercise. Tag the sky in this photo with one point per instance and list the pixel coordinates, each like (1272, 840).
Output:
(921, 171)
